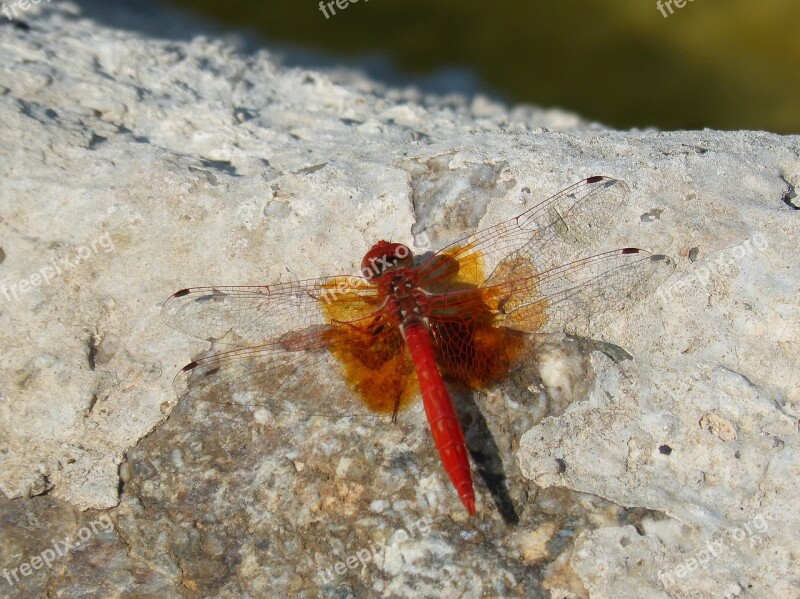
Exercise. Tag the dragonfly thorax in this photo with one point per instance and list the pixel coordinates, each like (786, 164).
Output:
(405, 301)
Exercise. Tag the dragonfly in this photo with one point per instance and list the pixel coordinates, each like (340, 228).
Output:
(408, 326)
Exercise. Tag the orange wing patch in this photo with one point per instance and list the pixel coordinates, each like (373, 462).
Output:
(472, 349)
(376, 365)
(476, 356)
(456, 268)
(508, 295)
(480, 331)
(347, 299)
(369, 349)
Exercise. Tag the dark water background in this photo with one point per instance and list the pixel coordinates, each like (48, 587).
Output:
(725, 64)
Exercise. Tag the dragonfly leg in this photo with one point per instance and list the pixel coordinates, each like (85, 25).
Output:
(396, 409)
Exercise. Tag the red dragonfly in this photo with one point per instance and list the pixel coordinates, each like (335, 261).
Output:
(405, 325)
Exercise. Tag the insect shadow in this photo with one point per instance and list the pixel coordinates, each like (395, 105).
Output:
(484, 451)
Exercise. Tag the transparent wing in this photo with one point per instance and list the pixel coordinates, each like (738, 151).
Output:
(305, 380)
(250, 315)
(551, 231)
(349, 370)
(521, 297)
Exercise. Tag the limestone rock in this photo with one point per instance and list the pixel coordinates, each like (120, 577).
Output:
(136, 162)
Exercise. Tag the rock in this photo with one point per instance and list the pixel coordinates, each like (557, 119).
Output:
(140, 161)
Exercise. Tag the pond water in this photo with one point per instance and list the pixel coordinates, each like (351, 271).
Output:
(672, 64)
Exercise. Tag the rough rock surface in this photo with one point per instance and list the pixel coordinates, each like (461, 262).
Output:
(661, 452)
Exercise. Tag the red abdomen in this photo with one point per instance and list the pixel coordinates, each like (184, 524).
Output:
(447, 434)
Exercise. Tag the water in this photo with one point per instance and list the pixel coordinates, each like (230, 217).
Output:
(725, 65)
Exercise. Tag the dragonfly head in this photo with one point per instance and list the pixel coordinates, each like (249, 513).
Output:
(385, 256)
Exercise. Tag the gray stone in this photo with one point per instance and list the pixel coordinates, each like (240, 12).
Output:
(138, 159)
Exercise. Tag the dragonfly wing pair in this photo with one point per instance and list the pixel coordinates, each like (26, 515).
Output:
(317, 346)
